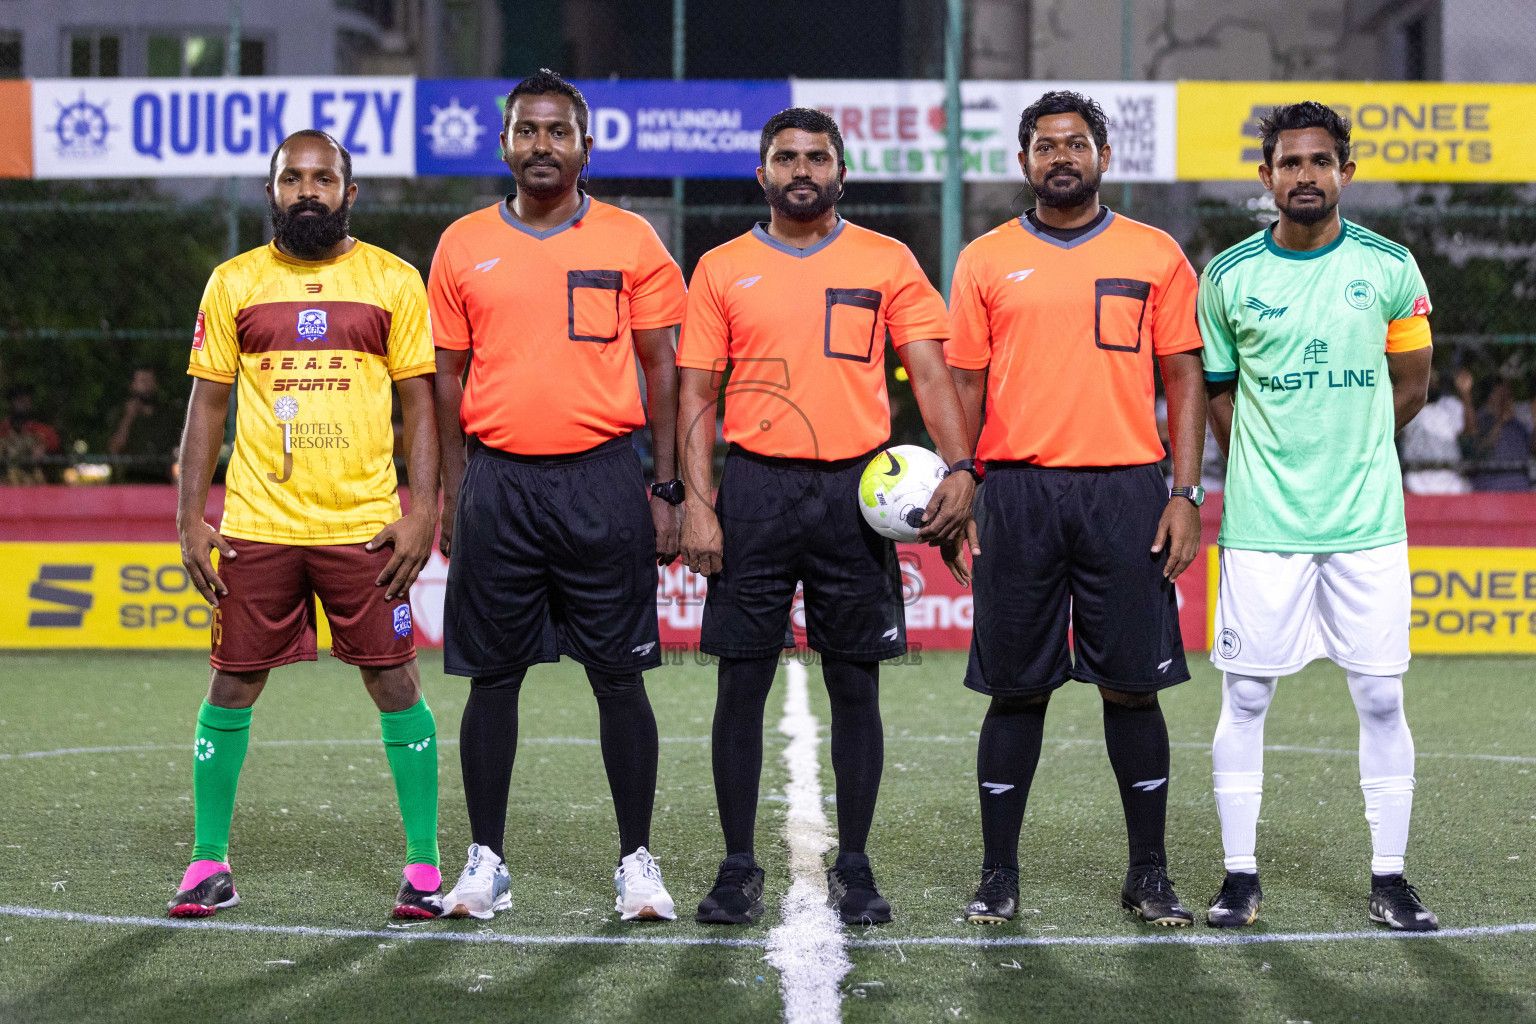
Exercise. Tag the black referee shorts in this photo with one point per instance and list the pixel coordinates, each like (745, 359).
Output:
(552, 555)
(1056, 542)
(788, 521)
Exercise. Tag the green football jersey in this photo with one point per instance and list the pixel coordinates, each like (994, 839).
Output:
(1311, 465)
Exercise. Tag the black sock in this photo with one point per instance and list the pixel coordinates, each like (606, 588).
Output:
(487, 747)
(736, 745)
(1006, 757)
(1137, 738)
(858, 746)
(630, 752)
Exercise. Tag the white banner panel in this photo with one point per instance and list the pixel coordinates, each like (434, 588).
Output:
(894, 129)
(215, 127)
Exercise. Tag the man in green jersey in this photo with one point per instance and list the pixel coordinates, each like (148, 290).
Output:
(1317, 351)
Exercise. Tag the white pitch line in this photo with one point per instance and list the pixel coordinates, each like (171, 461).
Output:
(446, 741)
(1280, 748)
(1197, 939)
(808, 948)
(304, 931)
(1194, 939)
(585, 742)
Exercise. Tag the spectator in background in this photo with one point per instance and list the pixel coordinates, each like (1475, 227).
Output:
(1503, 441)
(1430, 445)
(148, 431)
(24, 439)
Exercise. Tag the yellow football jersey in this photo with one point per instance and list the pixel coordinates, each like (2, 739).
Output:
(314, 345)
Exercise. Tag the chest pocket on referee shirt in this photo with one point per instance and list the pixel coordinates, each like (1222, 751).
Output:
(1119, 310)
(852, 314)
(592, 304)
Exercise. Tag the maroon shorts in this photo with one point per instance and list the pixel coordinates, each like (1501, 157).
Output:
(268, 617)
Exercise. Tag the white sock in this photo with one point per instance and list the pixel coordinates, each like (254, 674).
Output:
(1237, 757)
(1386, 767)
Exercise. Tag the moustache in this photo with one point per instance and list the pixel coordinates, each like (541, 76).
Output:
(308, 206)
(1303, 192)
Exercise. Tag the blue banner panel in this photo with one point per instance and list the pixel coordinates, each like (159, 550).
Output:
(641, 128)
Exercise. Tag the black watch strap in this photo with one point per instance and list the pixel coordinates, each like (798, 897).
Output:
(970, 466)
(670, 492)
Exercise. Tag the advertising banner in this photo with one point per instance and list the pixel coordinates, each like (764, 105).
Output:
(894, 130)
(642, 128)
(1402, 131)
(127, 595)
(200, 127)
(102, 595)
(1473, 600)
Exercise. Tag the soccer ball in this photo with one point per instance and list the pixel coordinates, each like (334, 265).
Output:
(895, 487)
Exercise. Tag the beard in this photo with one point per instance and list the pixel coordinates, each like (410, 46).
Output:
(1079, 192)
(308, 237)
(1306, 215)
(791, 209)
(546, 189)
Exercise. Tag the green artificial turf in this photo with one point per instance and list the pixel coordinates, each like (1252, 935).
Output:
(317, 843)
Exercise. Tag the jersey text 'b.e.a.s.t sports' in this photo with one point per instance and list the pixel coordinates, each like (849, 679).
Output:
(315, 345)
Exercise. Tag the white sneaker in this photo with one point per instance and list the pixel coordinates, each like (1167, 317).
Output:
(641, 894)
(484, 887)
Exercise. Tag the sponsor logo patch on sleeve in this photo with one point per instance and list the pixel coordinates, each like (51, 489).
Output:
(198, 332)
(1420, 306)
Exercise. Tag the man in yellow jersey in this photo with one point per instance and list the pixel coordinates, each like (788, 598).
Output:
(315, 326)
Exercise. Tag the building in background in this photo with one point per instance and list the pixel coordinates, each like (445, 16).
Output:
(173, 38)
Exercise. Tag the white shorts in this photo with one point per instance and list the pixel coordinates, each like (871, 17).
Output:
(1277, 611)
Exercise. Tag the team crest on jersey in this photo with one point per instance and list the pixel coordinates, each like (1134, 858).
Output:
(1420, 306)
(403, 621)
(1360, 294)
(312, 325)
(1227, 644)
(199, 332)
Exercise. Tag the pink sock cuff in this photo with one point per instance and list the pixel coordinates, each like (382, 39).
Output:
(424, 877)
(199, 870)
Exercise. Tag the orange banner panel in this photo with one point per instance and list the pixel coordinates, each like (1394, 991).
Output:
(15, 129)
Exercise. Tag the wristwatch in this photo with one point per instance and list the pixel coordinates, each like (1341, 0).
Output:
(970, 466)
(670, 492)
(1195, 494)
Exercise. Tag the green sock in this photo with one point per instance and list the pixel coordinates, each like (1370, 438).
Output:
(217, 754)
(410, 743)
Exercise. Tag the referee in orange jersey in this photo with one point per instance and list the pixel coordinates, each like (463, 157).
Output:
(1056, 318)
(548, 299)
(800, 308)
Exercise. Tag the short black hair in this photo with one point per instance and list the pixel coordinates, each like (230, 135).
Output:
(1306, 114)
(807, 120)
(547, 83)
(314, 133)
(1064, 101)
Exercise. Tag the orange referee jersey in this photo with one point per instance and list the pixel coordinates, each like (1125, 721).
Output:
(804, 332)
(1067, 332)
(547, 317)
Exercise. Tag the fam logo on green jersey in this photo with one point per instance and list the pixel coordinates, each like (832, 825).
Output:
(1360, 293)
(1265, 312)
